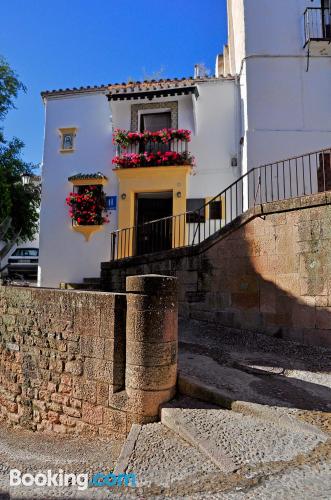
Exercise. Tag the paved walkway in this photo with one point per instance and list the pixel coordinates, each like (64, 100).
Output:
(274, 444)
(33, 453)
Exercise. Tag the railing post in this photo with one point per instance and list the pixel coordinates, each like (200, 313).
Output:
(113, 246)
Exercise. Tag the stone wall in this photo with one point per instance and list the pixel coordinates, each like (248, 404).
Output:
(270, 272)
(88, 362)
(61, 357)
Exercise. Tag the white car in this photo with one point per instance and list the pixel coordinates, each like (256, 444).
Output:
(23, 263)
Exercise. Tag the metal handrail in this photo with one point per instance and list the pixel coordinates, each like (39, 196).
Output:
(315, 24)
(295, 176)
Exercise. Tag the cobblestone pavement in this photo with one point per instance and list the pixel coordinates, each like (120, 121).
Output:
(271, 462)
(33, 453)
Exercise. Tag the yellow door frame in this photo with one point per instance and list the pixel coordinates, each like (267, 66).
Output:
(150, 180)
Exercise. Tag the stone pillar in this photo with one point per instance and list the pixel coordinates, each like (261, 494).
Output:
(151, 344)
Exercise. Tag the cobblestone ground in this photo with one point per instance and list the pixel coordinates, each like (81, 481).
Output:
(167, 466)
(33, 453)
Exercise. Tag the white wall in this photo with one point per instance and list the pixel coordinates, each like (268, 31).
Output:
(216, 138)
(213, 122)
(64, 254)
(275, 27)
(285, 110)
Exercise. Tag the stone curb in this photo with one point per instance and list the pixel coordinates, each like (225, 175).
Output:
(127, 449)
(273, 416)
(171, 419)
(190, 386)
(194, 388)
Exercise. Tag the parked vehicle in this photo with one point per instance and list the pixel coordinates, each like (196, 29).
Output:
(23, 263)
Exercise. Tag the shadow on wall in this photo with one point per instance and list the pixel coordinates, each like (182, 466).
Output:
(269, 273)
(272, 275)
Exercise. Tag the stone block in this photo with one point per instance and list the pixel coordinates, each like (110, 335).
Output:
(303, 316)
(151, 354)
(53, 417)
(68, 421)
(87, 322)
(60, 398)
(245, 300)
(92, 414)
(75, 403)
(102, 392)
(74, 367)
(147, 403)
(60, 428)
(153, 378)
(92, 347)
(115, 420)
(152, 326)
(85, 389)
(100, 370)
(56, 365)
(71, 412)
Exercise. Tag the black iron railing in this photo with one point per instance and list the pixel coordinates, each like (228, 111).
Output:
(290, 178)
(317, 24)
(175, 145)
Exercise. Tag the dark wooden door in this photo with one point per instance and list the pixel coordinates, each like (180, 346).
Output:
(153, 234)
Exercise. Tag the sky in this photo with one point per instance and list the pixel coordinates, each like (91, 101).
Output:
(72, 43)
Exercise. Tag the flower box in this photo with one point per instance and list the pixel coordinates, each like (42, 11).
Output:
(124, 138)
(158, 159)
(87, 207)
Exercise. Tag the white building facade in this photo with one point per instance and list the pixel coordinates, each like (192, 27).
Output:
(269, 101)
(280, 53)
(207, 107)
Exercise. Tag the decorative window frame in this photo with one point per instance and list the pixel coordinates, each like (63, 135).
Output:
(136, 110)
(64, 131)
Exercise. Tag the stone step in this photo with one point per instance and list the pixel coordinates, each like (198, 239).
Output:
(233, 440)
(202, 377)
(163, 461)
(79, 286)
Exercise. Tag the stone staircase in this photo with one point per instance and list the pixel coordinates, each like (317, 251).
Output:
(242, 425)
(87, 284)
(202, 451)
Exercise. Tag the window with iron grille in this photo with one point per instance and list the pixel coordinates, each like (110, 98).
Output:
(215, 210)
(195, 205)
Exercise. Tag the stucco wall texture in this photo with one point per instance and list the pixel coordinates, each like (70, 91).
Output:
(269, 272)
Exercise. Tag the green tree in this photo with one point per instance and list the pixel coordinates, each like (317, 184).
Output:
(19, 202)
(10, 86)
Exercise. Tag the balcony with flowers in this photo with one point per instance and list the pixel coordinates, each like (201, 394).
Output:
(166, 147)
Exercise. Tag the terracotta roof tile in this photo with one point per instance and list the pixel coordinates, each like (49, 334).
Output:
(132, 86)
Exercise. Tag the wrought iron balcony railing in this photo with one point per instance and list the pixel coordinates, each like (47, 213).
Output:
(174, 145)
(317, 22)
(153, 154)
(163, 147)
